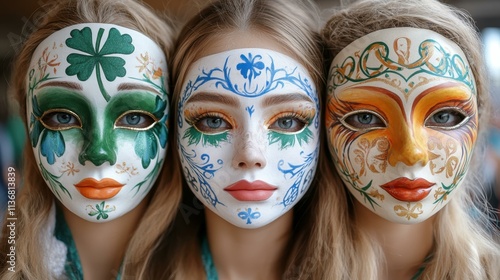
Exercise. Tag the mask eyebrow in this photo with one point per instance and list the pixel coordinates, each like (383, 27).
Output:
(285, 98)
(132, 86)
(69, 85)
(214, 97)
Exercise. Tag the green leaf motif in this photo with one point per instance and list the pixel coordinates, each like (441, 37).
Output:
(100, 210)
(288, 140)
(160, 129)
(83, 65)
(52, 145)
(53, 182)
(146, 147)
(195, 137)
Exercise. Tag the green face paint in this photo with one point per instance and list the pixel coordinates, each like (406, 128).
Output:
(98, 113)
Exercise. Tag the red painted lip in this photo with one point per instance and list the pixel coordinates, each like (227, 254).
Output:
(103, 189)
(254, 191)
(407, 190)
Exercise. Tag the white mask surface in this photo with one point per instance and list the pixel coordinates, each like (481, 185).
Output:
(97, 107)
(248, 134)
(402, 121)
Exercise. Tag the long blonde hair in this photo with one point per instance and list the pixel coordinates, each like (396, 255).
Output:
(294, 24)
(35, 199)
(464, 245)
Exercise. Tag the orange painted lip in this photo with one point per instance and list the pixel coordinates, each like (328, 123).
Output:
(103, 189)
(404, 189)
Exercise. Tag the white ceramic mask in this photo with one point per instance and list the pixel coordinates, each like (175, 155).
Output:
(248, 134)
(402, 121)
(97, 107)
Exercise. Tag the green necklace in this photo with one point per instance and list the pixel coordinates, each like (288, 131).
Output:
(72, 266)
(421, 268)
(208, 262)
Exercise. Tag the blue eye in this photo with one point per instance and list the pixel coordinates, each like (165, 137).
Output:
(361, 120)
(288, 123)
(212, 123)
(136, 120)
(447, 118)
(60, 119)
(290, 128)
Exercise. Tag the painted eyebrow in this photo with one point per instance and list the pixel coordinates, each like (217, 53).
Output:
(215, 97)
(132, 86)
(291, 97)
(69, 85)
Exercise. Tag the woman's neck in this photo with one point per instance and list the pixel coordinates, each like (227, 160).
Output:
(405, 246)
(101, 246)
(248, 254)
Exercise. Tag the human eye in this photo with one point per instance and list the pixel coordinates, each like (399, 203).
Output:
(211, 123)
(135, 120)
(60, 119)
(290, 128)
(363, 120)
(207, 128)
(447, 118)
(288, 123)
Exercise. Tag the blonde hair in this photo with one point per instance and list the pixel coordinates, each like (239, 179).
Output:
(294, 25)
(464, 245)
(35, 198)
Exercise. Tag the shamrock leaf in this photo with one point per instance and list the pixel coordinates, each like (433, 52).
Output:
(117, 43)
(81, 40)
(83, 65)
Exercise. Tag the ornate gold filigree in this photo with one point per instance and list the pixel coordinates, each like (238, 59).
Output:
(123, 168)
(409, 211)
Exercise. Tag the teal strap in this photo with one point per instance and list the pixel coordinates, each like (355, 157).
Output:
(421, 268)
(208, 262)
(72, 266)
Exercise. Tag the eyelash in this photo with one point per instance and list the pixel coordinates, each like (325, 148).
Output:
(304, 119)
(192, 121)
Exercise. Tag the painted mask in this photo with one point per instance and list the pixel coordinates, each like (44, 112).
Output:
(97, 107)
(402, 121)
(248, 134)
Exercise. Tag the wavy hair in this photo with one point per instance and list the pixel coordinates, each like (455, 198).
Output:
(34, 198)
(294, 25)
(464, 238)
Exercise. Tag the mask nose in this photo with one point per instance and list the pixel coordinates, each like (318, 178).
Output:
(249, 154)
(409, 149)
(98, 150)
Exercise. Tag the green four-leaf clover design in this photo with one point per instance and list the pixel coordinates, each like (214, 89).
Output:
(83, 65)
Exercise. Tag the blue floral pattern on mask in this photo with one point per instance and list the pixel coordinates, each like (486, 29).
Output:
(199, 169)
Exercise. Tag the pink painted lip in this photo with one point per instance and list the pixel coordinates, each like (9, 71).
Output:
(254, 191)
(407, 190)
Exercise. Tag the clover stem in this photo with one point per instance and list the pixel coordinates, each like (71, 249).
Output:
(97, 68)
(101, 85)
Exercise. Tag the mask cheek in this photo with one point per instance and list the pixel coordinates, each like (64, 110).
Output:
(56, 155)
(448, 158)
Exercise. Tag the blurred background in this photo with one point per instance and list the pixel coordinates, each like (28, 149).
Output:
(17, 14)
